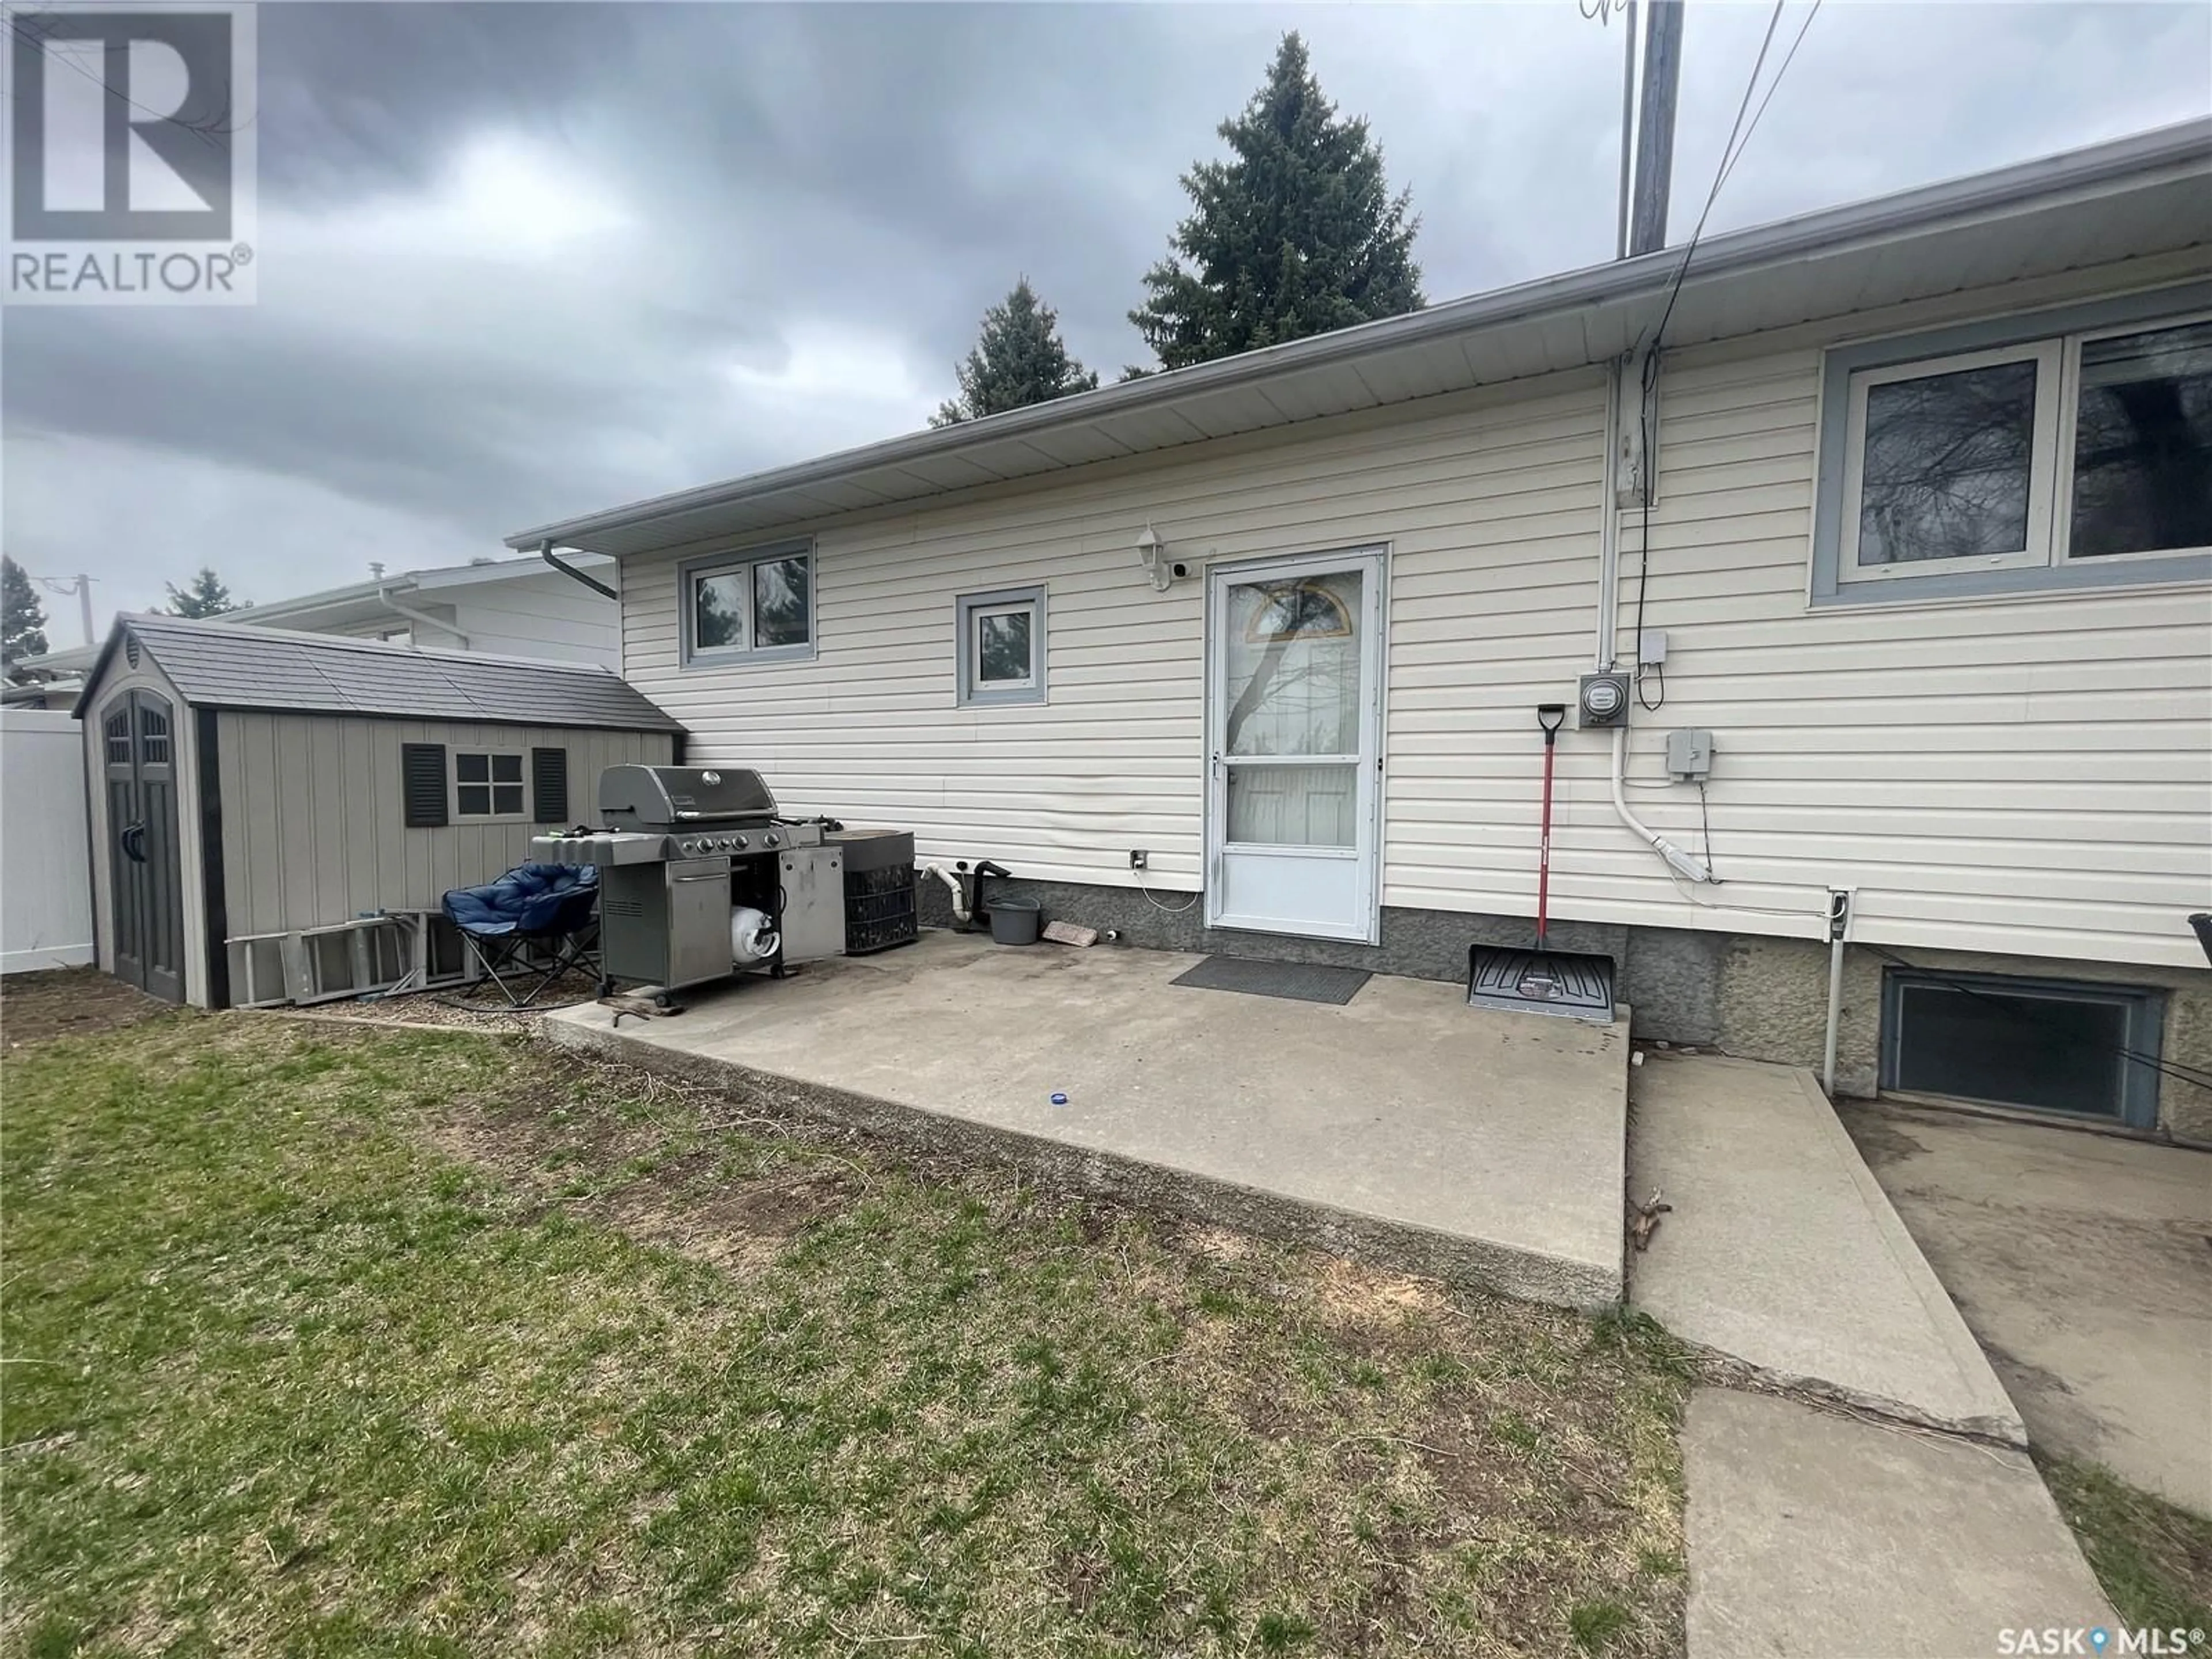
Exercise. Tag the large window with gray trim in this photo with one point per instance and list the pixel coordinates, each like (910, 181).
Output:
(756, 606)
(1001, 637)
(2077, 451)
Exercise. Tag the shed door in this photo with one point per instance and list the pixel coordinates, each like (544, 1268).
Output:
(138, 750)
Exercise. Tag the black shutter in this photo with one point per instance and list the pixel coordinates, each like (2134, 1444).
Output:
(548, 786)
(423, 784)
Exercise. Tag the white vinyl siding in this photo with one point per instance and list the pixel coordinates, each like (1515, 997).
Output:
(2024, 774)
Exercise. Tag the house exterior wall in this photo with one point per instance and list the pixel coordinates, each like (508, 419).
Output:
(547, 615)
(2024, 776)
(185, 760)
(313, 821)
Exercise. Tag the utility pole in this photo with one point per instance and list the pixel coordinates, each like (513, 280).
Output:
(1654, 130)
(84, 604)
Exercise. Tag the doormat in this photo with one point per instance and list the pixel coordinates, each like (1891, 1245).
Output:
(1299, 981)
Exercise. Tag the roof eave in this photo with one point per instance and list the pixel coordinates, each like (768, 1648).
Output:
(2045, 179)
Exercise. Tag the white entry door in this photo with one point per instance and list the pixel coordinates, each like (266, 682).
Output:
(1294, 733)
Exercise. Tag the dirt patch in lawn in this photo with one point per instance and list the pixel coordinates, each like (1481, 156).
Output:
(647, 1167)
(67, 1002)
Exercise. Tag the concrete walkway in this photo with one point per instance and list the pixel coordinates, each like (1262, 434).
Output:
(2080, 1263)
(1405, 1127)
(1784, 1255)
(1812, 1534)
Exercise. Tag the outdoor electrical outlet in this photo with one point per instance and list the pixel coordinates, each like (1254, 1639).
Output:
(1137, 859)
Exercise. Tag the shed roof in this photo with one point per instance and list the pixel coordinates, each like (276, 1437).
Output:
(231, 666)
(2135, 196)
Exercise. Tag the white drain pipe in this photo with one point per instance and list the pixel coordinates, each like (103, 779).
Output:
(1683, 863)
(952, 885)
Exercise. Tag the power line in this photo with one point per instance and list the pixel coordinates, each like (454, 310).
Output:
(1788, 57)
(1720, 177)
(204, 129)
(1739, 140)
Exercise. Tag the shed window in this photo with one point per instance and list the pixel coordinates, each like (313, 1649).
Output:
(2080, 447)
(487, 784)
(2086, 1050)
(749, 607)
(1002, 647)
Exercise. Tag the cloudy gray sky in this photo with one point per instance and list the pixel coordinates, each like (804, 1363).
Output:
(519, 260)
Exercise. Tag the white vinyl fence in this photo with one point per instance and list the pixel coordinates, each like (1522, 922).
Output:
(45, 880)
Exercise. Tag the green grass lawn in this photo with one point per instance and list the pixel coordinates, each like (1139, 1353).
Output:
(324, 1341)
(2153, 1558)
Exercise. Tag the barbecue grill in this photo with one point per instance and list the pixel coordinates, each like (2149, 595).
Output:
(684, 849)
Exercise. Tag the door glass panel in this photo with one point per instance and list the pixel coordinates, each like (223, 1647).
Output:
(1294, 805)
(1948, 464)
(1292, 664)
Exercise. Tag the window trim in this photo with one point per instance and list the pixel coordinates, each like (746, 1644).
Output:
(2008, 337)
(2048, 358)
(733, 562)
(455, 815)
(972, 693)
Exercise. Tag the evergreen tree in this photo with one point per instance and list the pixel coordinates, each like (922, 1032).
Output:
(1295, 234)
(1018, 359)
(203, 596)
(22, 621)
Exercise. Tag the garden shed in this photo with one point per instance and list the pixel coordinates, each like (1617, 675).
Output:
(276, 816)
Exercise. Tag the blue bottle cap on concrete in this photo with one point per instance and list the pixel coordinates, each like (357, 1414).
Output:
(1059, 1099)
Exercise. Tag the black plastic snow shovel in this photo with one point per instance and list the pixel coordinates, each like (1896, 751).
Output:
(1575, 983)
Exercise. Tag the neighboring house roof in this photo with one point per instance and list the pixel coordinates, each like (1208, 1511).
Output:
(2140, 195)
(227, 665)
(355, 603)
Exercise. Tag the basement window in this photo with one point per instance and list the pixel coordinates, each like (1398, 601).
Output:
(487, 784)
(754, 606)
(2089, 1051)
(1002, 647)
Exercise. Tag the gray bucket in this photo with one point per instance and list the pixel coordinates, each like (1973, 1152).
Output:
(1015, 920)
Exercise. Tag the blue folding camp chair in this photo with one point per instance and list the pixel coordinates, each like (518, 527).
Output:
(530, 926)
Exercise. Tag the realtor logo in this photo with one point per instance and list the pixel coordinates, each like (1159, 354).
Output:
(131, 165)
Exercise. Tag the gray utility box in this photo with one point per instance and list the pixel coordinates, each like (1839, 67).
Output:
(1689, 755)
(813, 922)
(666, 923)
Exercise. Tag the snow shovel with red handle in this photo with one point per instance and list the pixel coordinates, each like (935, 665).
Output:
(1575, 983)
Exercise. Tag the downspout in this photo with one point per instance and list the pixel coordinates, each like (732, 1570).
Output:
(1608, 537)
(545, 552)
(1609, 597)
(421, 618)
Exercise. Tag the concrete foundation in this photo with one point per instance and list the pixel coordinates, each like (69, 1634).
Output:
(1750, 995)
(1404, 1127)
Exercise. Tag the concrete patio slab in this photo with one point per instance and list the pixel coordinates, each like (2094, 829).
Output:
(2080, 1263)
(1818, 1535)
(1784, 1253)
(1404, 1127)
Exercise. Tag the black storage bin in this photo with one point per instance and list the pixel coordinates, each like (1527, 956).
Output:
(879, 897)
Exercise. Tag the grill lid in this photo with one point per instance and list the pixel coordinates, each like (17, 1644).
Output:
(665, 797)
